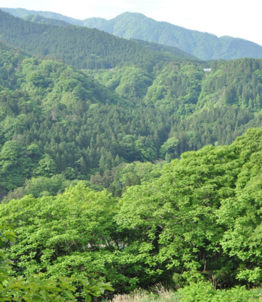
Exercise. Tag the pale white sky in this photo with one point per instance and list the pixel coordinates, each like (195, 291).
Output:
(236, 18)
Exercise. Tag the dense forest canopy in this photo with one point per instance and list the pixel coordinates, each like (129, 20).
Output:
(57, 121)
(203, 45)
(200, 220)
(137, 26)
(78, 46)
(43, 20)
(133, 175)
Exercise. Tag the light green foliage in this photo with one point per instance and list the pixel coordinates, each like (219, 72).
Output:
(43, 186)
(46, 167)
(203, 292)
(36, 287)
(242, 214)
(130, 82)
(176, 213)
(62, 235)
(199, 221)
(176, 88)
(15, 163)
(181, 222)
(127, 174)
(58, 83)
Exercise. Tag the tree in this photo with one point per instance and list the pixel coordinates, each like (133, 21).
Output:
(70, 235)
(46, 166)
(169, 147)
(36, 287)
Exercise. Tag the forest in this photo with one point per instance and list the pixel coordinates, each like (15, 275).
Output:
(131, 25)
(114, 177)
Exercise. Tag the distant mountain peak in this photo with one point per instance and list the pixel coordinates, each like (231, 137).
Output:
(129, 25)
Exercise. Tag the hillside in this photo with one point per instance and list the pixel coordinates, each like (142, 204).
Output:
(43, 20)
(205, 208)
(213, 107)
(55, 119)
(126, 166)
(176, 53)
(78, 46)
(59, 122)
(202, 45)
(22, 13)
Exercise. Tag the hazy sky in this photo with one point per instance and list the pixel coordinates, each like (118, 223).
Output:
(241, 19)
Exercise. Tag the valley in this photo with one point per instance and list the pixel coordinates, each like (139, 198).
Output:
(125, 163)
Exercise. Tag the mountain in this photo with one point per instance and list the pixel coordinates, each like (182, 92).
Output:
(43, 20)
(55, 119)
(59, 123)
(175, 52)
(128, 25)
(22, 13)
(202, 45)
(79, 46)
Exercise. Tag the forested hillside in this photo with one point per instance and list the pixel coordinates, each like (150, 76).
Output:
(202, 45)
(77, 46)
(176, 53)
(207, 108)
(128, 25)
(23, 13)
(200, 221)
(43, 20)
(55, 119)
(57, 122)
(127, 163)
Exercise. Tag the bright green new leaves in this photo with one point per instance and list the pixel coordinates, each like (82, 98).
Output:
(64, 235)
(242, 214)
(201, 218)
(173, 217)
(204, 292)
(37, 287)
(6, 236)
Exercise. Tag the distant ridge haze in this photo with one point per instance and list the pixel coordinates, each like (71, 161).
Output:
(128, 25)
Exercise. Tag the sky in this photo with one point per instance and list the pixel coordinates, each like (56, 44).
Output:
(239, 19)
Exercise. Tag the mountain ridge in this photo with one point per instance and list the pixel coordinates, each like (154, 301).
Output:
(22, 12)
(75, 45)
(203, 45)
(44, 20)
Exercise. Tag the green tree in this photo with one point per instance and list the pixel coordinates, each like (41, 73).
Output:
(36, 287)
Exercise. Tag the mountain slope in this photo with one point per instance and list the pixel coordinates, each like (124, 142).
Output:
(22, 13)
(206, 108)
(202, 45)
(175, 52)
(43, 20)
(78, 46)
(55, 119)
